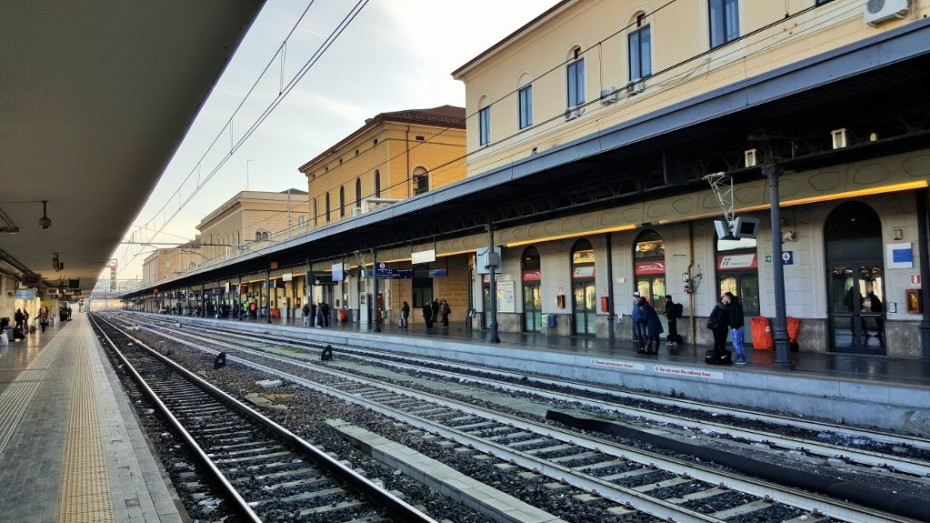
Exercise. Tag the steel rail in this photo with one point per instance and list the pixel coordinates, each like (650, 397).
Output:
(396, 506)
(240, 504)
(762, 489)
(826, 450)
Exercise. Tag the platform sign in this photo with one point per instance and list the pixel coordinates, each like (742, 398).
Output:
(787, 258)
(25, 294)
(385, 273)
(438, 273)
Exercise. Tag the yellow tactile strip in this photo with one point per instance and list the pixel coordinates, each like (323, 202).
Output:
(85, 492)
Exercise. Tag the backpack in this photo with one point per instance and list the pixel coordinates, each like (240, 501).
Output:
(679, 310)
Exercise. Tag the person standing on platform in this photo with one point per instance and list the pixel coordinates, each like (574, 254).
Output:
(428, 315)
(306, 314)
(26, 321)
(18, 319)
(404, 315)
(436, 309)
(446, 311)
(43, 318)
(737, 320)
(639, 322)
(672, 313)
(719, 323)
(653, 327)
(325, 308)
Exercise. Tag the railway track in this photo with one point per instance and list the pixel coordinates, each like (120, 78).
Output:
(633, 479)
(265, 472)
(793, 436)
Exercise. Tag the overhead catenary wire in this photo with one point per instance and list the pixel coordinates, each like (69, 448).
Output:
(236, 144)
(815, 23)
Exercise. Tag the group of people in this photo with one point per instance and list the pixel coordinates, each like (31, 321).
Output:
(432, 313)
(317, 315)
(21, 323)
(646, 325)
(727, 316)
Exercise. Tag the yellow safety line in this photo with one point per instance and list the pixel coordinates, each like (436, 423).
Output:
(85, 491)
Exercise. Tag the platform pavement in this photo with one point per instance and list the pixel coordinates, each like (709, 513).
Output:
(70, 447)
(863, 390)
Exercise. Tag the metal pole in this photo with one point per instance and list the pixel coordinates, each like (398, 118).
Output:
(610, 290)
(268, 290)
(780, 330)
(374, 266)
(492, 264)
(922, 196)
(471, 298)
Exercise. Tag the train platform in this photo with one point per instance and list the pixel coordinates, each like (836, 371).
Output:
(893, 394)
(71, 448)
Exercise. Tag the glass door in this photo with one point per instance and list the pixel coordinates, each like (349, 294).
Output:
(857, 312)
(584, 298)
(532, 307)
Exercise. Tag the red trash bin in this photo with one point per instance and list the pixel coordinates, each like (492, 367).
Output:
(343, 315)
(761, 334)
(794, 328)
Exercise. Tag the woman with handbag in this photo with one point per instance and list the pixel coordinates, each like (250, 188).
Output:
(719, 323)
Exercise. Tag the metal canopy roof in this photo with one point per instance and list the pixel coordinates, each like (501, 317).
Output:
(864, 84)
(95, 96)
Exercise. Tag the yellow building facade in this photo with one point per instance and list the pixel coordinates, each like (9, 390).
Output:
(393, 156)
(250, 220)
(587, 65)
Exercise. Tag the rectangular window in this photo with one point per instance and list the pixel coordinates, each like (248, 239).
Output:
(484, 126)
(575, 71)
(526, 107)
(724, 22)
(640, 53)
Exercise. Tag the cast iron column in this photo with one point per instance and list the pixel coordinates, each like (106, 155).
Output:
(780, 330)
(922, 196)
(374, 266)
(610, 290)
(492, 285)
(268, 290)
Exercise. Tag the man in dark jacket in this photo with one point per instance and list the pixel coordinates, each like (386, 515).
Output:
(671, 314)
(718, 323)
(736, 320)
(639, 323)
(428, 315)
(653, 327)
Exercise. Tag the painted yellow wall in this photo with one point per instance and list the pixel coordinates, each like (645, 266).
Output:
(396, 155)
(683, 65)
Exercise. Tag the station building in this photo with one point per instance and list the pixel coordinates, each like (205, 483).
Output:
(590, 134)
(394, 156)
(588, 81)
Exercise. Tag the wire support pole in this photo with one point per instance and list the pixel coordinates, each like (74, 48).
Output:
(375, 307)
(492, 286)
(780, 330)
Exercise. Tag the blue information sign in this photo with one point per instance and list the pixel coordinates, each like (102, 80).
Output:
(787, 258)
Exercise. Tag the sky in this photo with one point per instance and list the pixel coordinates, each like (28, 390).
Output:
(396, 54)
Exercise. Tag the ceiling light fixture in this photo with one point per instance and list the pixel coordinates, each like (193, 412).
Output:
(44, 222)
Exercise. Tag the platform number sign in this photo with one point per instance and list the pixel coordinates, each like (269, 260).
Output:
(787, 258)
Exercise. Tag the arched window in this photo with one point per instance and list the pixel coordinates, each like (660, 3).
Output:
(358, 193)
(342, 202)
(639, 47)
(532, 292)
(327, 207)
(649, 266)
(420, 180)
(583, 288)
(574, 73)
(377, 191)
(262, 234)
